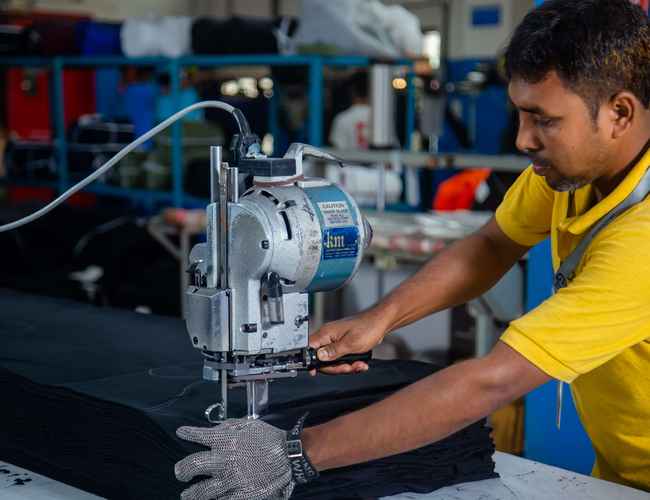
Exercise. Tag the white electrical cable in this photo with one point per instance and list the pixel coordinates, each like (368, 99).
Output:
(110, 163)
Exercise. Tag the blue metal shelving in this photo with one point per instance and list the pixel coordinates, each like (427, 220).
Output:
(176, 196)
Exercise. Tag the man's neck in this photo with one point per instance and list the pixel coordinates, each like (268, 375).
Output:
(626, 161)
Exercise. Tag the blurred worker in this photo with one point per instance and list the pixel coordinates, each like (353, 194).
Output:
(578, 73)
(350, 128)
(351, 132)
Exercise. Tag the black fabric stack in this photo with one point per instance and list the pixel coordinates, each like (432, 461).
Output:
(39, 257)
(235, 35)
(52, 38)
(92, 397)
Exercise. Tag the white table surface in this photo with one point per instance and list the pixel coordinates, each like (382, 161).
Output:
(20, 484)
(520, 479)
(527, 480)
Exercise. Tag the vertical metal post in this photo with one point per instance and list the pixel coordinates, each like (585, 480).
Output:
(215, 166)
(315, 134)
(177, 135)
(223, 378)
(58, 117)
(257, 397)
(227, 193)
(185, 278)
(274, 103)
(382, 107)
(214, 236)
(410, 109)
(223, 230)
(233, 184)
(381, 191)
(251, 410)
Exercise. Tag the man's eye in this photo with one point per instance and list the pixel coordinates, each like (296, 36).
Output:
(544, 122)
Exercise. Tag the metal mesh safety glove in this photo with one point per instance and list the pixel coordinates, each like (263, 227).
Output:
(247, 460)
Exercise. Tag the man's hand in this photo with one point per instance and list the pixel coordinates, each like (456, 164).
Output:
(247, 460)
(461, 272)
(354, 335)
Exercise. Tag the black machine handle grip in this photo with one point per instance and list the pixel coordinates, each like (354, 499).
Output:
(314, 363)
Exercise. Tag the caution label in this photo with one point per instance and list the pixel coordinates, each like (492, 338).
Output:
(335, 213)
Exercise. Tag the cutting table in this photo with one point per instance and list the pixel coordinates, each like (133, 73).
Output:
(520, 479)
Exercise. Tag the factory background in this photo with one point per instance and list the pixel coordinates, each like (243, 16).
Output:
(83, 78)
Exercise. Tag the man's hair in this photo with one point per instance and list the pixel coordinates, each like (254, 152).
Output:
(359, 84)
(597, 47)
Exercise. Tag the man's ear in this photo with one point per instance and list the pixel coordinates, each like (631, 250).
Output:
(622, 111)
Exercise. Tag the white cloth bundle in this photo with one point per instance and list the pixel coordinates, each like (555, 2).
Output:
(365, 27)
(157, 36)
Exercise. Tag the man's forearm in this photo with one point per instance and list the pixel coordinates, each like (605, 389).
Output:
(463, 271)
(424, 412)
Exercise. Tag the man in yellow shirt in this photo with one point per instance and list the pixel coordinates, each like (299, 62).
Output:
(579, 76)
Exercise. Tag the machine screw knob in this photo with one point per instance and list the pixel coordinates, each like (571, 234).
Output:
(300, 320)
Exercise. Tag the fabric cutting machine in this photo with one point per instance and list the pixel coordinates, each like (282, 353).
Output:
(267, 248)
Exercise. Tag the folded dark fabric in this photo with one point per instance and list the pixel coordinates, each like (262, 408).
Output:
(52, 38)
(12, 40)
(94, 396)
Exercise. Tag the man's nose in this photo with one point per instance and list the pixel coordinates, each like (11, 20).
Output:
(526, 138)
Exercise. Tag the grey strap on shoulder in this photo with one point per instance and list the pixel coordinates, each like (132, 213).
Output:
(566, 271)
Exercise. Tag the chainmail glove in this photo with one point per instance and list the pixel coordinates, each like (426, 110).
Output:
(247, 460)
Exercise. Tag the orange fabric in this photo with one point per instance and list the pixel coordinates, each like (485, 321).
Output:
(458, 192)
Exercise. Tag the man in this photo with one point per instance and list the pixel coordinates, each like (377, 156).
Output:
(579, 79)
(350, 128)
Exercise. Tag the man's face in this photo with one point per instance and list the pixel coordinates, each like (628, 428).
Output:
(557, 132)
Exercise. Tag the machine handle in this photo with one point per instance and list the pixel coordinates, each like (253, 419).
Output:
(315, 363)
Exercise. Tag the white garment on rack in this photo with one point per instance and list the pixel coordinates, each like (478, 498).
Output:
(365, 27)
(350, 131)
(168, 36)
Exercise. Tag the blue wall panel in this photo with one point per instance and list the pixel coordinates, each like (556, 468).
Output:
(486, 15)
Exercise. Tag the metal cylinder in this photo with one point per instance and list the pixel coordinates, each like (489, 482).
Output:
(215, 171)
(382, 106)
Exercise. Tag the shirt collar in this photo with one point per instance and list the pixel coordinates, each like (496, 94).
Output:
(581, 223)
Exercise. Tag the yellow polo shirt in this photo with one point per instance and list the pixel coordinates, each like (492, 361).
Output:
(595, 333)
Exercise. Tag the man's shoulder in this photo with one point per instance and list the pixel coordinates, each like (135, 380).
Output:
(530, 191)
(625, 239)
(634, 223)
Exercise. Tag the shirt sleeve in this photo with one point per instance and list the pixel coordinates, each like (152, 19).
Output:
(526, 211)
(602, 312)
